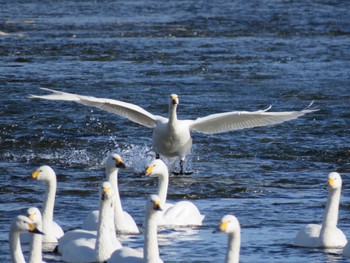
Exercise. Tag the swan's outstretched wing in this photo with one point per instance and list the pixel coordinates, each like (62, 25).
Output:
(237, 120)
(127, 110)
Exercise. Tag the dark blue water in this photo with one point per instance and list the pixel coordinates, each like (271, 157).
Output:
(239, 55)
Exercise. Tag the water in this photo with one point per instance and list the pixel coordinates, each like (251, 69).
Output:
(244, 55)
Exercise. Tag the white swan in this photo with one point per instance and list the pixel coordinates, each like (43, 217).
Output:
(171, 136)
(150, 249)
(20, 224)
(35, 251)
(100, 247)
(124, 223)
(51, 229)
(183, 213)
(230, 225)
(327, 235)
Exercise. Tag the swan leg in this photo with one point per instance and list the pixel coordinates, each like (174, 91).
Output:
(182, 169)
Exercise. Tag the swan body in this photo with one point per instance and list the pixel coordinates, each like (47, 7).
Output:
(124, 223)
(150, 249)
(21, 224)
(183, 213)
(35, 251)
(230, 225)
(171, 136)
(51, 229)
(100, 247)
(326, 235)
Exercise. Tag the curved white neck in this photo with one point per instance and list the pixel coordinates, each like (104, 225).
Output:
(35, 250)
(172, 115)
(233, 247)
(105, 232)
(15, 247)
(330, 218)
(163, 182)
(49, 203)
(113, 179)
(150, 247)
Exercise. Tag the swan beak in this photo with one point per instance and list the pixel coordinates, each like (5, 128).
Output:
(149, 170)
(31, 217)
(105, 193)
(119, 163)
(35, 174)
(156, 206)
(33, 229)
(223, 226)
(331, 182)
(174, 99)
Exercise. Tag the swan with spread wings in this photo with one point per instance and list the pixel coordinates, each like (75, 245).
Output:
(172, 136)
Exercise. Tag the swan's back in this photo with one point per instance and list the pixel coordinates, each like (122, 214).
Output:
(308, 236)
(126, 254)
(183, 213)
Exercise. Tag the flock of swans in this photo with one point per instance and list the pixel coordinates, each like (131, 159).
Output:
(97, 239)
(99, 243)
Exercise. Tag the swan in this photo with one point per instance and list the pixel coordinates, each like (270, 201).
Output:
(171, 136)
(124, 223)
(183, 213)
(100, 247)
(35, 251)
(150, 248)
(230, 225)
(21, 224)
(51, 229)
(326, 235)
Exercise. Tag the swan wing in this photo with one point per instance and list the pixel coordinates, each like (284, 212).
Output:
(237, 120)
(126, 110)
(183, 213)
(308, 236)
(126, 254)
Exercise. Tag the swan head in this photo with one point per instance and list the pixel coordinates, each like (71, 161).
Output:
(156, 168)
(174, 99)
(153, 203)
(44, 173)
(114, 161)
(106, 192)
(34, 214)
(334, 181)
(23, 224)
(229, 224)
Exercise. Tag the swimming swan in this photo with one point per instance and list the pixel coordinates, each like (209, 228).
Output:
(124, 223)
(150, 249)
(183, 213)
(326, 235)
(230, 225)
(21, 224)
(35, 250)
(51, 229)
(100, 247)
(171, 136)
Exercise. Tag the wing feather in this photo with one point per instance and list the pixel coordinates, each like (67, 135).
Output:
(126, 110)
(237, 120)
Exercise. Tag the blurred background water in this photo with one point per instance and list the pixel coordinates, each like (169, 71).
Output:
(217, 56)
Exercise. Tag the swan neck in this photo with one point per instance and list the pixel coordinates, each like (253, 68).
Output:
(163, 182)
(118, 209)
(49, 203)
(35, 251)
(330, 218)
(172, 114)
(15, 247)
(105, 231)
(233, 247)
(151, 249)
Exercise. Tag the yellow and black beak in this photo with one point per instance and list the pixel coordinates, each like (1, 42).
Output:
(34, 230)
(105, 193)
(119, 163)
(331, 182)
(222, 227)
(149, 170)
(174, 99)
(35, 174)
(156, 206)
